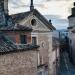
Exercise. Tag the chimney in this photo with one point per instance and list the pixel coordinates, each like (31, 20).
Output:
(6, 6)
(31, 5)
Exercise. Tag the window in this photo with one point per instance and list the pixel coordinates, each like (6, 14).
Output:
(34, 40)
(33, 22)
(23, 39)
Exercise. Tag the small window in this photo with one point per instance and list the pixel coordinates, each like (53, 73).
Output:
(34, 40)
(23, 39)
(33, 22)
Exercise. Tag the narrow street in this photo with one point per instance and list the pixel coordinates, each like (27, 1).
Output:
(66, 68)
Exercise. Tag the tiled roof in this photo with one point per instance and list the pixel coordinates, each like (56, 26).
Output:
(27, 46)
(21, 16)
(7, 46)
(10, 25)
(13, 27)
(16, 28)
(22, 27)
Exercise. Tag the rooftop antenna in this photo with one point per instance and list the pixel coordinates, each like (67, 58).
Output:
(31, 5)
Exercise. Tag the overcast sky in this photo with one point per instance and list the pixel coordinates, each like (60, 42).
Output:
(56, 10)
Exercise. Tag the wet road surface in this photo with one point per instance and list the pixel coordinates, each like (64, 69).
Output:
(66, 68)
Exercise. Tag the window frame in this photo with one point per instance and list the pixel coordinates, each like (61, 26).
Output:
(32, 40)
(23, 39)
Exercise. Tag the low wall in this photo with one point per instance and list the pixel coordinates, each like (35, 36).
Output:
(19, 63)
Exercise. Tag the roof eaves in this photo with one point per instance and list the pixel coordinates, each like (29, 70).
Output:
(28, 48)
(42, 18)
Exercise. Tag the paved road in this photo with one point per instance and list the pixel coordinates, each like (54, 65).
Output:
(66, 68)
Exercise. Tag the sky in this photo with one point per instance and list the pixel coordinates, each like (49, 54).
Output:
(56, 10)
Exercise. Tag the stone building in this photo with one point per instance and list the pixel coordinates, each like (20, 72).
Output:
(71, 29)
(17, 56)
(42, 35)
(54, 56)
(17, 61)
(19, 34)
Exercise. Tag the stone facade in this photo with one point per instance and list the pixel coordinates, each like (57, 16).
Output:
(72, 46)
(54, 56)
(19, 63)
(43, 32)
(71, 29)
(39, 25)
(16, 59)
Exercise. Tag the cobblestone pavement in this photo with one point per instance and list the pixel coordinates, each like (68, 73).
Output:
(66, 68)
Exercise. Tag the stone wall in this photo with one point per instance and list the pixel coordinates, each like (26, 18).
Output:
(53, 53)
(20, 63)
(43, 41)
(72, 46)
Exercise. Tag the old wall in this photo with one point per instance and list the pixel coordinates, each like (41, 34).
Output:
(53, 52)
(21, 63)
(43, 41)
(15, 36)
(72, 45)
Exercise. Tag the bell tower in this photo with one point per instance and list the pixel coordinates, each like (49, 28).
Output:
(73, 9)
(71, 18)
(31, 5)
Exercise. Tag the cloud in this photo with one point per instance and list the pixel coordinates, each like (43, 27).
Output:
(57, 9)
(57, 21)
(57, 0)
